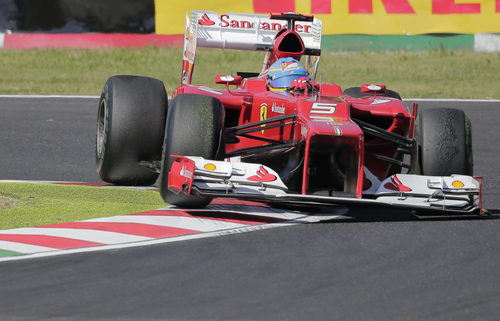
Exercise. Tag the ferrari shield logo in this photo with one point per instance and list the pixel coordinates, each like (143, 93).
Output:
(263, 114)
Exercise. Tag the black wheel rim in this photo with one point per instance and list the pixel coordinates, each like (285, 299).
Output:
(101, 129)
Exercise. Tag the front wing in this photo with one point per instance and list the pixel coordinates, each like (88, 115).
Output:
(458, 194)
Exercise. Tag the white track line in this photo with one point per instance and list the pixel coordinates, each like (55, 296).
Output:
(83, 184)
(23, 248)
(88, 235)
(243, 209)
(51, 96)
(453, 100)
(190, 223)
(40, 182)
(261, 212)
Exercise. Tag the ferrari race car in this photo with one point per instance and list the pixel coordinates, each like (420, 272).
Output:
(306, 144)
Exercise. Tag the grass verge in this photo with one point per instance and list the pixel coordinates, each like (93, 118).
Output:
(25, 204)
(433, 73)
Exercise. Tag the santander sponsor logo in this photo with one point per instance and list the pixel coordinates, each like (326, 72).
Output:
(226, 21)
(205, 20)
(262, 175)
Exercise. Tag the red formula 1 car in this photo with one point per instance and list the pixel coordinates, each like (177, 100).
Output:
(305, 143)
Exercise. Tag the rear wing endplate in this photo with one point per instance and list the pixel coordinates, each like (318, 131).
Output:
(240, 31)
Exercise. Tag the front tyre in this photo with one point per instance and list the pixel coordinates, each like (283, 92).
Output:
(130, 129)
(194, 128)
(444, 141)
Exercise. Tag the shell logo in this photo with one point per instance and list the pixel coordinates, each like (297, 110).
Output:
(210, 167)
(457, 184)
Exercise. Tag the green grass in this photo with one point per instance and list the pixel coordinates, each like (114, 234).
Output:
(433, 73)
(24, 204)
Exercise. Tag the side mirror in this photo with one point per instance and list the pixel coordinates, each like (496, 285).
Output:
(372, 89)
(228, 79)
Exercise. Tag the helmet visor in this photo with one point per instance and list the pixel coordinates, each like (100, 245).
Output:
(284, 82)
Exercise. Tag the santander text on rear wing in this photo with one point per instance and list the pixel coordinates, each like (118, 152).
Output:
(240, 31)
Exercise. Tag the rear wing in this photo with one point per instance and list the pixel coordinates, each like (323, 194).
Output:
(240, 31)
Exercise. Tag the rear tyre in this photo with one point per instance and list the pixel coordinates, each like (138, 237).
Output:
(444, 142)
(194, 128)
(355, 92)
(130, 129)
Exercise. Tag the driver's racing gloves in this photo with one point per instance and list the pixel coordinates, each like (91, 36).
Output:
(302, 85)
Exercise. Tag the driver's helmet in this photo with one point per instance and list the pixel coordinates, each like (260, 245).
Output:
(283, 71)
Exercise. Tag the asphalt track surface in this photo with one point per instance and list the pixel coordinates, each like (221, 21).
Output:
(384, 265)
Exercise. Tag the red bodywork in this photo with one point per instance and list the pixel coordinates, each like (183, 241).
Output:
(324, 119)
(319, 137)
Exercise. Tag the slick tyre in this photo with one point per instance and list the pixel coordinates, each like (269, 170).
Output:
(355, 92)
(444, 142)
(130, 129)
(194, 128)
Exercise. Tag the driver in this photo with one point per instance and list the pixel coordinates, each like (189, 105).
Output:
(289, 74)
